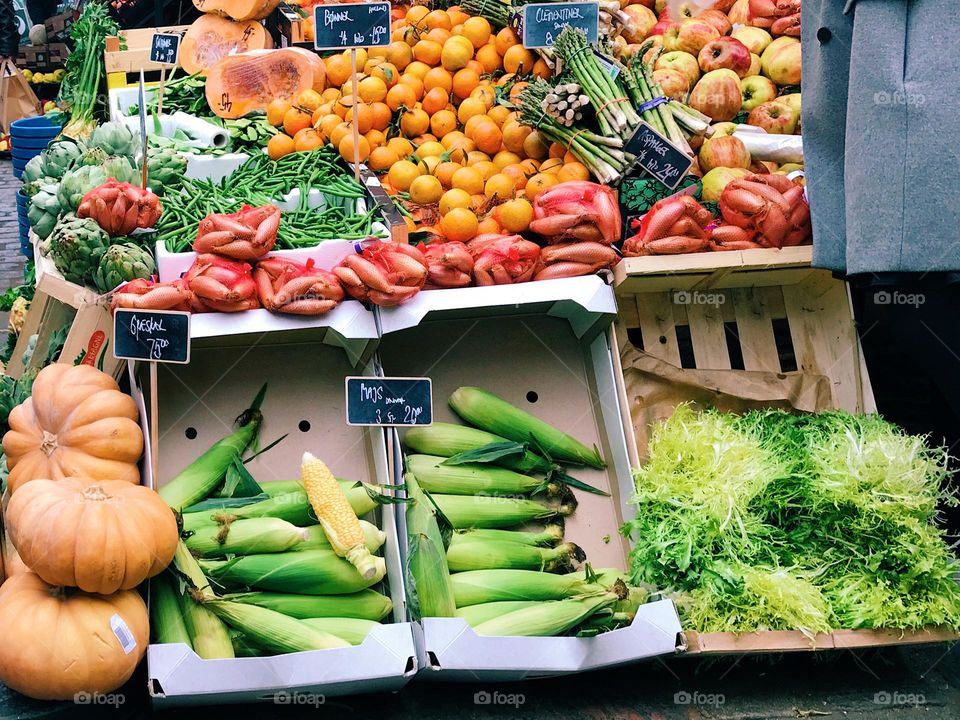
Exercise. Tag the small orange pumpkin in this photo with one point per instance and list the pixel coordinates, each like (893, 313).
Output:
(77, 423)
(103, 537)
(58, 642)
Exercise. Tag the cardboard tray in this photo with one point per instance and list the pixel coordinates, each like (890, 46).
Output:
(304, 369)
(543, 346)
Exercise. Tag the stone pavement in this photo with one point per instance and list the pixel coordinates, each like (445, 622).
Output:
(11, 260)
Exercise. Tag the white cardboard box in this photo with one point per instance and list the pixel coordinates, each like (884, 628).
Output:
(545, 347)
(304, 368)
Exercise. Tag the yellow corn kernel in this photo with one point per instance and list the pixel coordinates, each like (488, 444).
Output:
(336, 517)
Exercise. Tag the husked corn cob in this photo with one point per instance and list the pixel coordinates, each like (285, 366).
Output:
(311, 572)
(447, 440)
(208, 634)
(353, 630)
(492, 554)
(430, 592)
(166, 617)
(480, 511)
(487, 411)
(373, 537)
(246, 537)
(550, 535)
(484, 586)
(476, 614)
(470, 478)
(364, 604)
(545, 619)
(336, 516)
(272, 630)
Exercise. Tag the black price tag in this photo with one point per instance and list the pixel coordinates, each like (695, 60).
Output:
(657, 156)
(351, 25)
(542, 22)
(154, 335)
(389, 401)
(165, 48)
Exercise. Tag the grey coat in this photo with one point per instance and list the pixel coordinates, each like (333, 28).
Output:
(881, 134)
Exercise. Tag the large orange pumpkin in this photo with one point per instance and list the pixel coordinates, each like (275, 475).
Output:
(76, 423)
(58, 642)
(100, 538)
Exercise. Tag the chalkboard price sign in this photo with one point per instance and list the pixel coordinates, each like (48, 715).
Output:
(154, 335)
(389, 401)
(351, 25)
(542, 22)
(658, 156)
(165, 48)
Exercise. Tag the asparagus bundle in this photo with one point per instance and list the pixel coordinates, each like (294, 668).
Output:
(565, 103)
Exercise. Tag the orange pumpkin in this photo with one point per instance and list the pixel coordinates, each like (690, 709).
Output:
(76, 423)
(212, 37)
(58, 642)
(101, 538)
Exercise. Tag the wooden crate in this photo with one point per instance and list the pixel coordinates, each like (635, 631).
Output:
(123, 66)
(771, 311)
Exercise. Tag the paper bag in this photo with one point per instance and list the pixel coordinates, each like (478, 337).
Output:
(655, 387)
(17, 99)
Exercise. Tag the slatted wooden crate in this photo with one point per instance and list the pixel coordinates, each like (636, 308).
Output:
(123, 66)
(753, 310)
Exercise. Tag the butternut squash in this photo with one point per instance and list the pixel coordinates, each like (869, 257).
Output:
(238, 9)
(241, 84)
(212, 37)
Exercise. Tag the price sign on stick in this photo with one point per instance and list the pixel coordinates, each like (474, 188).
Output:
(155, 336)
(389, 402)
(658, 156)
(542, 22)
(165, 50)
(349, 26)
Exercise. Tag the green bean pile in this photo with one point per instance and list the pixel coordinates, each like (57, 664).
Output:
(261, 181)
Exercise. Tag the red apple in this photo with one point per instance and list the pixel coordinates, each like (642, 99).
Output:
(722, 129)
(756, 39)
(726, 151)
(718, 19)
(673, 83)
(739, 13)
(655, 47)
(777, 118)
(755, 65)
(756, 90)
(725, 52)
(641, 22)
(793, 100)
(717, 179)
(723, 5)
(717, 94)
(660, 7)
(781, 61)
(684, 63)
(689, 36)
(660, 28)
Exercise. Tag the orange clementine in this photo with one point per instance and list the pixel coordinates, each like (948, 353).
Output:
(488, 225)
(414, 83)
(478, 202)
(401, 146)
(338, 70)
(500, 185)
(569, 157)
(459, 224)
(425, 189)
(423, 138)
(477, 31)
(382, 158)
(307, 139)
(454, 198)
(499, 114)
(551, 165)
(534, 146)
(515, 215)
(428, 52)
(469, 108)
(539, 182)
(475, 156)
(402, 174)
(515, 93)
(468, 179)
(416, 13)
(541, 69)
(486, 95)
(295, 119)
(504, 158)
(444, 172)
(376, 138)
(414, 122)
(280, 145)
(381, 115)
(457, 15)
(400, 95)
(437, 19)
(464, 83)
(557, 150)
(443, 122)
(456, 53)
(486, 169)
(505, 39)
(347, 151)
(573, 171)
(429, 164)
(309, 100)
(331, 94)
(438, 35)
(517, 59)
(514, 135)
(399, 54)
(364, 115)
(339, 132)
(489, 58)
(435, 100)
(372, 89)
(530, 166)
(417, 69)
(488, 137)
(431, 148)
(517, 173)
(437, 77)
(276, 111)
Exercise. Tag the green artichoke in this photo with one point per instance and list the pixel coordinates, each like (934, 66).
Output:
(76, 247)
(122, 263)
(165, 169)
(32, 187)
(92, 156)
(44, 210)
(59, 157)
(77, 183)
(122, 169)
(116, 138)
(33, 170)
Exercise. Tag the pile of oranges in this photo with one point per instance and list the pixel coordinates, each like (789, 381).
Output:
(436, 112)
